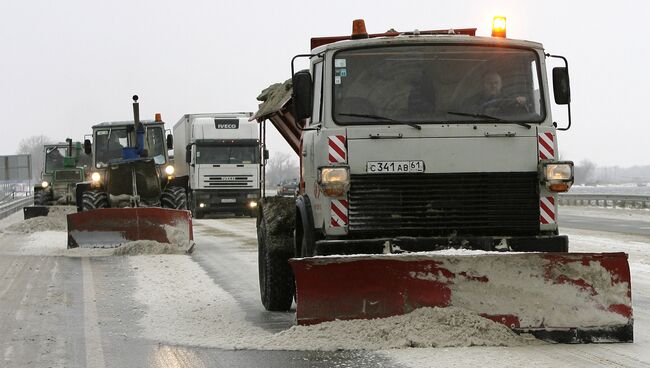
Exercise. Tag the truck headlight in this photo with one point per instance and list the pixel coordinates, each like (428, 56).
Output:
(45, 184)
(169, 170)
(95, 177)
(252, 204)
(334, 181)
(558, 176)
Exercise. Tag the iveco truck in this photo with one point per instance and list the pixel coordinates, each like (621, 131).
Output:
(218, 161)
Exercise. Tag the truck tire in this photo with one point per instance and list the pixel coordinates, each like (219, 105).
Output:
(94, 199)
(192, 206)
(277, 285)
(40, 198)
(174, 197)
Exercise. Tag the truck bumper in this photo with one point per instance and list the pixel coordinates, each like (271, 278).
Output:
(226, 200)
(541, 243)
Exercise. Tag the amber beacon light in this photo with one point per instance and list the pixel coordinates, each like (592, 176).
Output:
(359, 29)
(499, 27)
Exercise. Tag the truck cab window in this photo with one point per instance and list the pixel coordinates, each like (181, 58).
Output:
(156, 145)
(318, 86)
(206, 154)
(424, 83)
(54, 158)
(109, 144)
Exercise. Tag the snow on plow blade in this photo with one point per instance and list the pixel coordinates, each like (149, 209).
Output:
(563, 297)
(110, 227)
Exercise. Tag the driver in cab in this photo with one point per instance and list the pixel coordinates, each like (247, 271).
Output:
(491, 100)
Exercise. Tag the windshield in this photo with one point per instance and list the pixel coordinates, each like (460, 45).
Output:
(110, 142)
(227, 154)
(434, 83)
(156, 145)
(54, 158)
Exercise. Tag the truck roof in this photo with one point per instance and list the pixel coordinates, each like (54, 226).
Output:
(110, 124)
(427, 39)
(60, 144)
(225, 115)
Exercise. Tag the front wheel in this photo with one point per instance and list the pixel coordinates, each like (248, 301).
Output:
(40, 198)
(175, 198)
(94, 199)
(277, 284)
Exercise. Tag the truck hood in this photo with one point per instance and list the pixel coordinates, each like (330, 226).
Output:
(452, 148)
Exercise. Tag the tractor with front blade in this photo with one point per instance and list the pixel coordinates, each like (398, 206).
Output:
(429, 177)
(63, 167)
(132, 194)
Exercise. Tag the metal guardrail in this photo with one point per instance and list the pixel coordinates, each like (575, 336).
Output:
(16, 205)
(605, 200)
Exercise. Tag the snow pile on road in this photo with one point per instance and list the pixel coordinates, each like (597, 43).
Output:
(422, 328)
(146, 247)
(185, 307)
(53, 243)
(54, 221)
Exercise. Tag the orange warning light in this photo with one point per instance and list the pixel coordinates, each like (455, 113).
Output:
(499, 26)
(359, 29)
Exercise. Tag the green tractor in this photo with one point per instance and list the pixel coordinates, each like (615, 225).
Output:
(132, 193)
(63, 167)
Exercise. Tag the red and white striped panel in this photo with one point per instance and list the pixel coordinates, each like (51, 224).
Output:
(546, 146)
(547, 210)
(337, 151)
(339, 212)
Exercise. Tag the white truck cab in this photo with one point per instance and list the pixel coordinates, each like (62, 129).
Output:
(426, 140)
(217, 156)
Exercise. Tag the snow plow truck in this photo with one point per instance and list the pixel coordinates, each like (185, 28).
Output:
(132, 194)
(429, 176)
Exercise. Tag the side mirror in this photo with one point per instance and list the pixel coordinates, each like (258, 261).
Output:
(88, 147)
(302, 98)
(561, 89)
(266, 154)
(170, 142)
(188, 153)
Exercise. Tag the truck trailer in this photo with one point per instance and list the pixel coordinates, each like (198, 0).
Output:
(217, 157)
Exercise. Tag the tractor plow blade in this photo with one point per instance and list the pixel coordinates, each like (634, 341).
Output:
(35, 211)
(111, 227)
(563, 297)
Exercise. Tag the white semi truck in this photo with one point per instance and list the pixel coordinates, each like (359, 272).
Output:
(218, 161)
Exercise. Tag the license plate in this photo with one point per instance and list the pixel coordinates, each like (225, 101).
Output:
(383, 167)
(228, 200)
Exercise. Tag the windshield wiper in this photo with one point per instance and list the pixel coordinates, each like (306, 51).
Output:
(377, 117)
(489, 117)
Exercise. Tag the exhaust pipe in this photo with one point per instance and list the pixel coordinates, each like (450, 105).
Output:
(139, 129)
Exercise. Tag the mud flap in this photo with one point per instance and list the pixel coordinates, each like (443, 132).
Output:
(110, 227)
(563, 297)
(35, 211)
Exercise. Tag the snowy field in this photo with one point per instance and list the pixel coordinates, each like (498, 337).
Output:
(622, 189)
(185, 306)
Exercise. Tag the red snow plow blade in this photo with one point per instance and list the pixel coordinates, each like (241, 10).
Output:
(110, 227)
(563, 297)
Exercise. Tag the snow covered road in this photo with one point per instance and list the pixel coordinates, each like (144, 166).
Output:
(72, 308)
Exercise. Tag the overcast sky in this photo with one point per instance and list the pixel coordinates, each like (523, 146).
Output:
(66, 65)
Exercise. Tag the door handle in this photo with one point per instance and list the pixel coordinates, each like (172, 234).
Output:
(501, 134)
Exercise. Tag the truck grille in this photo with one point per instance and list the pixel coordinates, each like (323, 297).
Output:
(67, 175)
(444, 204)
(228, 181)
